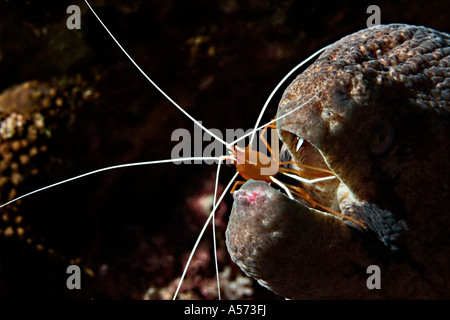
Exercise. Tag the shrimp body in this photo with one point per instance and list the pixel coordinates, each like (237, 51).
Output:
(250, 162)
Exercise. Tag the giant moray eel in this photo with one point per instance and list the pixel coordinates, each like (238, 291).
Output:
(380, 122)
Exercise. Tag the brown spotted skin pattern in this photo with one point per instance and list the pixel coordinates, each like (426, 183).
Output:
(381, 121)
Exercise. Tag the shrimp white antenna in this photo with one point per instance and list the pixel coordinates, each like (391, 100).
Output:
(152, 82)
(280, 84)
(119, 166)
(202, 232)
(278, 118)
(214, 227)
(298, 178)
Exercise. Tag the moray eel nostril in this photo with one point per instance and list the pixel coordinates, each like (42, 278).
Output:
(251, 197)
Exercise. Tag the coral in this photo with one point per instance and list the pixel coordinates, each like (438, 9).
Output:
(30, 114)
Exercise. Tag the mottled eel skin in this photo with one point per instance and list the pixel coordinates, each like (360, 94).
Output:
(381, 122)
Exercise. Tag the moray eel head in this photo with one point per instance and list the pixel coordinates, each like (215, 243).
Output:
(374, 110)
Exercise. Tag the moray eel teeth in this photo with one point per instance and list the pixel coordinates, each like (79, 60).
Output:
(299, 144)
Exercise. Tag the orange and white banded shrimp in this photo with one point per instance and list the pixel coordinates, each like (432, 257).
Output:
(140, 229)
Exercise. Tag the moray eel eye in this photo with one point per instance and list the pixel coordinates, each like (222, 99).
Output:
(382, 137)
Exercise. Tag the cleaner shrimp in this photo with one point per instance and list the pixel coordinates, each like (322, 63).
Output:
(194, 44)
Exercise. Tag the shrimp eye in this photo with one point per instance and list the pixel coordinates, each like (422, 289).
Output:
(382, 137)
(327, 114)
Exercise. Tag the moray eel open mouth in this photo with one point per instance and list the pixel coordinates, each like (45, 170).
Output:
(303, 152)
(329, 196)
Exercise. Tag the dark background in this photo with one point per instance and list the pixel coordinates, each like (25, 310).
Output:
(219, 60)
